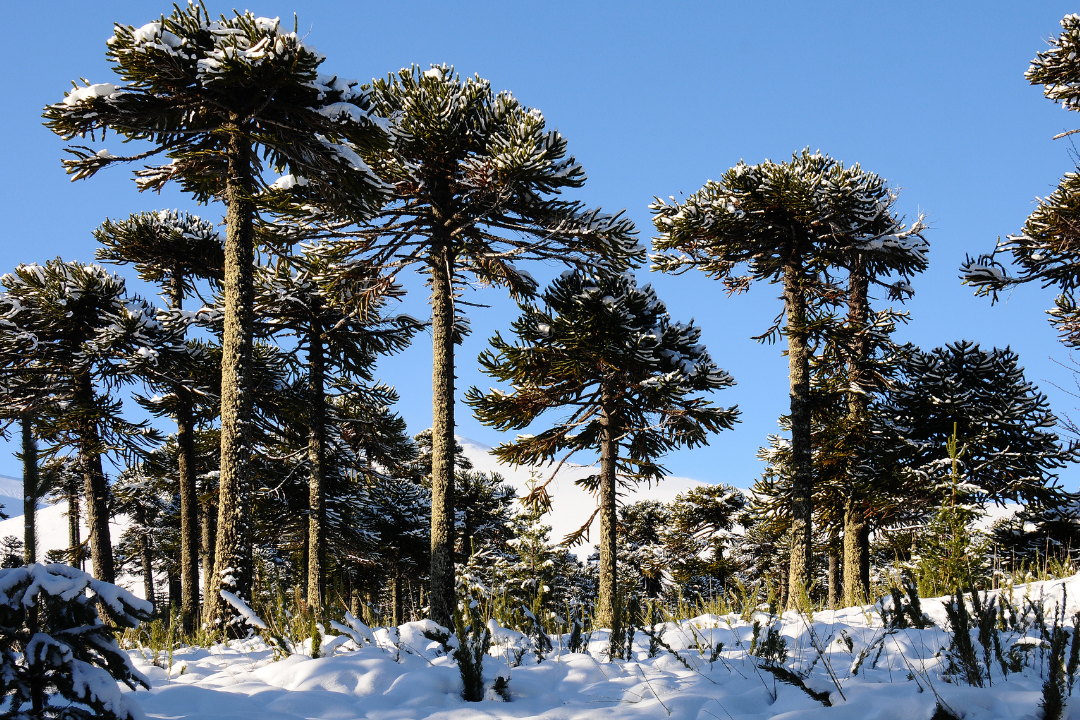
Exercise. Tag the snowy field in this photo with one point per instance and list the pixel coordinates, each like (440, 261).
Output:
(404, 675)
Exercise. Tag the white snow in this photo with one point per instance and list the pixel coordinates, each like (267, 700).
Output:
(406, 676)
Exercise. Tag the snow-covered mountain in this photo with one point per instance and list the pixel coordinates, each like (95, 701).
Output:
(571, 504)
(11, 495)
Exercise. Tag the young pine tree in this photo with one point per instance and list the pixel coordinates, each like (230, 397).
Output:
(220, 98)
(790, 223)
(608, 352)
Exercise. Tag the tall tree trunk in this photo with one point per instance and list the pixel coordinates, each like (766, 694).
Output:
(74, 541)
(94, 483)
(316, 572)
(146, 555)
(233, 563)
(607, 612)
(834, 571)
(801, 458)
(206, 551)
(856, 555)
(189, 497)
(31, 489)
(856, 552)
(442, 598)
(397, 603)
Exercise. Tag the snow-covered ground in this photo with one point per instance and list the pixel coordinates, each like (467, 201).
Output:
(902, 678)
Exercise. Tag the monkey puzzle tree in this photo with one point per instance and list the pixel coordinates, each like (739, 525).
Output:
(792, 223)
(90, 336)
(317, 301)
(1047, 249)
(608, 351)
(174, 250)
(220, 98)
(476, 178)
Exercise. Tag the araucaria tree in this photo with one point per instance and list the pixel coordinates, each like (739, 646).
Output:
(1047, 249)
(220, 98)
(90, 336)
(792, 223)
(630, 378)
(476, 178)
(317, 302)
(174, 250)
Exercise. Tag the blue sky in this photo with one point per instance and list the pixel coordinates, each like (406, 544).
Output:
(654, 99)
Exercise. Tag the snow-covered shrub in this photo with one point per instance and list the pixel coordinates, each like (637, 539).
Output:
(474, 640)
(58, 659)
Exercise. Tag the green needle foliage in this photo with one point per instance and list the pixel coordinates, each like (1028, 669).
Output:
(223, 100)
(792, 223)
(607, 351)
(477, 178)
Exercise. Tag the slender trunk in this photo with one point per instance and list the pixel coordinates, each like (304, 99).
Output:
(395, 595)
(232, 566)
(74, 541)
(801, 458)
(147, 557)
(856, 555)
(834, 572)
(189, 498)
(607, 612)
(206, 551)
(94, 483)
(31, 489)
(442, 598)
(316, 580)
(856, 530)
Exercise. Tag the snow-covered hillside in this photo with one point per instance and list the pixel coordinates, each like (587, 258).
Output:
(571, 504)
(11, 495)
(881, 673)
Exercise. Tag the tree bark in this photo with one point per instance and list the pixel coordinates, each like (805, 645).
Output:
(233, 563)
(316, 580)
(834, 573)
(607, 611)
(146, 555)
(856, 555)
(189, 497)
(31, 489)
(801, 457)
(94, 483)
(206, 550)
(442, 595)
(74, 541)
(856, 552)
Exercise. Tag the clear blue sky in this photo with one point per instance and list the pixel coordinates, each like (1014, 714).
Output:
(654, 100)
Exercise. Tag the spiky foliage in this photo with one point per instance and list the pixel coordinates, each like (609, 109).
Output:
(89, 337)
(792, 223)
(606, 351)
(220, 98)
(698, 539)
(58, 659)
(1003, 420)
(319, 303)
(1047, 249)
(174, 250)
(476, 181)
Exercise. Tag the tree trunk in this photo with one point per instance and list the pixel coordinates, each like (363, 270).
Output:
(396, 603)
(316, 580)
(31, 489)
(206, 551)
(607, 611)
(856, 555)
(801, 458)
(146, 556)
(856, 552)
(94, 483)
(232, 566)
(834, 572)
(74, 541)
(189, 497)
(442, 597)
